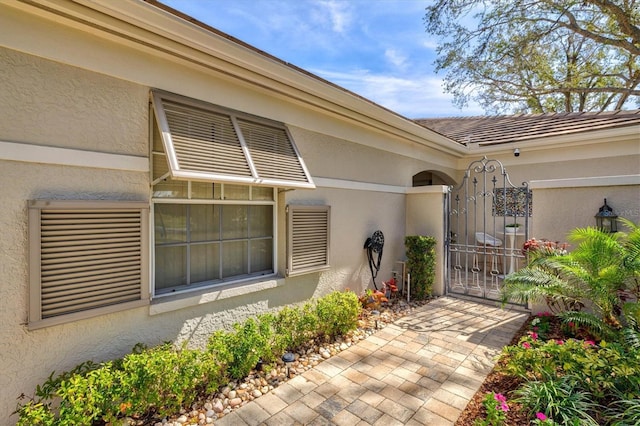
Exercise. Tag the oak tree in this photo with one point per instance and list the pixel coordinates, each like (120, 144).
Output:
(539, 55)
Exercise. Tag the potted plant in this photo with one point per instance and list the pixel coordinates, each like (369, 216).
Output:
(511, 228)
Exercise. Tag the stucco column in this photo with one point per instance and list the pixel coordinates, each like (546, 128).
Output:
(425, 216)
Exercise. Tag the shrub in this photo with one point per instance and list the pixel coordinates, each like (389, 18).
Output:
(560, 398)
(338, 313)
(295, 326)
(161, 380)
(421, 263)
(239, 350)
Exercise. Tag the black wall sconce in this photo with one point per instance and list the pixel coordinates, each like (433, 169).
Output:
(606, 218)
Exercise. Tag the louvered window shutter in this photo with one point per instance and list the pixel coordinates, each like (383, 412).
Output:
(87, 258)
(210, 143)
(308, 229)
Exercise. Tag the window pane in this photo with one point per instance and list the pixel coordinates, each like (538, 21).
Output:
(236, 192)
(234, 222)
(202, 190)
(261, 193)
(205, 262)
(205, 222)
(171, 267)
(262, 255)
(260, 221)
(170, 221)
(170, 189)
(234, 259)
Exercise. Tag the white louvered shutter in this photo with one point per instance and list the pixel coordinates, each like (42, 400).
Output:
(209, 143)
(308, 239)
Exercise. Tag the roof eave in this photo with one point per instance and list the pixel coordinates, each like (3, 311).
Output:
(153, 26)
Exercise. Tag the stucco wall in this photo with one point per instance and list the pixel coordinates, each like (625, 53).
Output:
(355, 215)
(559, 210)
(425, 216)
(47, 103)
(50, 104)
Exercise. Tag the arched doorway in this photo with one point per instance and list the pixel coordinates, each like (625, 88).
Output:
(432, 177)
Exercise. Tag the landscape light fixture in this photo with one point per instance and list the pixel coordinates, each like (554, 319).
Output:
(288, 358)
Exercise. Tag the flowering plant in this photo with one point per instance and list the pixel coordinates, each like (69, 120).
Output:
(542, 419)
(496, 406)
(390, 288)
(544, 247)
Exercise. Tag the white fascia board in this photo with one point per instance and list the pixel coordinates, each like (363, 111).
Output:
(579, 138)
(147, 27)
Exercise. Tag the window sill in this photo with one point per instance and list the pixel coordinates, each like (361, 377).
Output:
(169, 303)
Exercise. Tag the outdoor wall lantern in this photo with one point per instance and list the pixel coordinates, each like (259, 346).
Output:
(606, 218)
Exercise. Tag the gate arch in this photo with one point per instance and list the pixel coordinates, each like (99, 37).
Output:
(480, 248)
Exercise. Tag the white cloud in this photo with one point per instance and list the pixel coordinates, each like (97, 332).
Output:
(338, 13)
(430, 44)
(413, 97)
(396, 58)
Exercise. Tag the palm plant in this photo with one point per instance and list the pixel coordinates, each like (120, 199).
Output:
(603, 270)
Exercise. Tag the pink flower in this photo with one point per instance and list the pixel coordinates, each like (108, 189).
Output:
(500, 397)
(589, 343)
(526, 345)
(534, 336)
(560, 342)
(541, 416)
(504, 407)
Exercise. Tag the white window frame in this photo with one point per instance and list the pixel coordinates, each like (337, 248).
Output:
(217, 283)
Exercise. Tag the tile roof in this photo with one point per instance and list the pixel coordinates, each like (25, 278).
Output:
(495, 130)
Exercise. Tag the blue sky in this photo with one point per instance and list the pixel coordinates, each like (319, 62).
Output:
(376, 48)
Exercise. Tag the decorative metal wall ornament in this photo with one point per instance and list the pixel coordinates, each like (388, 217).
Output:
(512, 201)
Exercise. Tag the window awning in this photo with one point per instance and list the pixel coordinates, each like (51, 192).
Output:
(209, 143)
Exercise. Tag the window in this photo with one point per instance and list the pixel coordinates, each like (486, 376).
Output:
(87, 258)
(206, 241)
(214, 177)
(307, 239)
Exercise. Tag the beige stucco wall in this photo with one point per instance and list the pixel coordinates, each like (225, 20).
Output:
(557, 211)
(46, 103)
(425, 216)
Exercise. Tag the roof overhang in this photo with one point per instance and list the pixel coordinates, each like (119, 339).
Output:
(158, 30)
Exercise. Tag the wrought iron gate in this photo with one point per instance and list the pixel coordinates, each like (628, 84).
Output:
(481, 246)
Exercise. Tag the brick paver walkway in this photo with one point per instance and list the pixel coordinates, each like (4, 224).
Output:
(420, 370)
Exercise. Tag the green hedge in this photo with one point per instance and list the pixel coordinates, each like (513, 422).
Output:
(421, 264)
(161, 380)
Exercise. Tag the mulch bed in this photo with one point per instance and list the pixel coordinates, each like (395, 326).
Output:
(500, 383)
